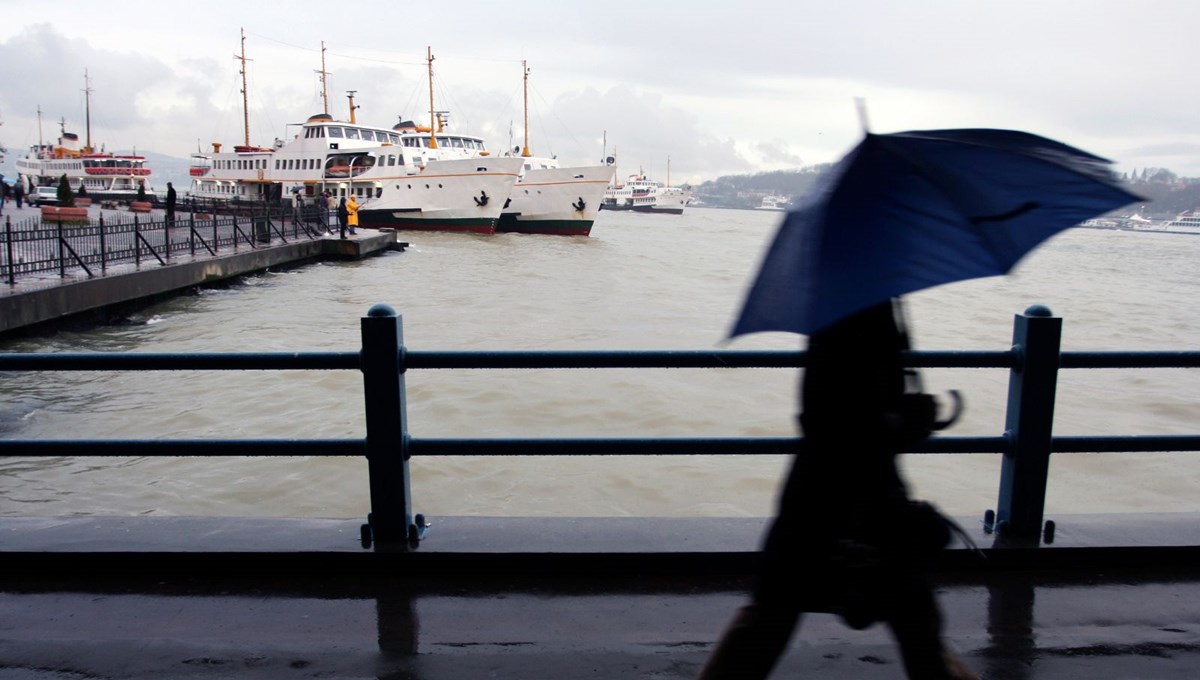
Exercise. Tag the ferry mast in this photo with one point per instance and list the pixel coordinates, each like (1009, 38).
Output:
(433, 126)
(245, 96)
(324, 80)
(525, 71)
(87, 108)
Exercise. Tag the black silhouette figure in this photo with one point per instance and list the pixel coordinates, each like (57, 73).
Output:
(847, 538)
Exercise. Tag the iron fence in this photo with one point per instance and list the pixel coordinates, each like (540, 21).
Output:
(1033, 362)
(198, 227)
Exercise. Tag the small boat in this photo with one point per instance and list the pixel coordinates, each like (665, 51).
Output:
(106, 176)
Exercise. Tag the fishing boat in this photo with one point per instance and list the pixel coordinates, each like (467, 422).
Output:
(549, 199)
(641, 194)
(105, 176)
(400, 180)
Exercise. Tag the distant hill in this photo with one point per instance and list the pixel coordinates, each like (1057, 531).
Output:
(1167, 194)
(747, 191)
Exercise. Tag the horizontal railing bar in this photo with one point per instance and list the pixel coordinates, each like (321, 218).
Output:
(664, 446)
(145, 361)
(210, 361)
(1152, 359)
(135, 448)
(675, 359)
(518, 359)
(1126, 444)
(599, 446)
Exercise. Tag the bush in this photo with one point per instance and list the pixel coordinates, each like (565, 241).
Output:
(66, 199)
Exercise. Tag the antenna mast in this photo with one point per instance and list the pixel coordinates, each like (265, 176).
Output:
(525, 69)
(432, 116)
(245, 96)
(325, 82)
(87, 107)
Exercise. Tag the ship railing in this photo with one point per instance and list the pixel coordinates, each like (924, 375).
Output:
(36, 247)
(1026, 444)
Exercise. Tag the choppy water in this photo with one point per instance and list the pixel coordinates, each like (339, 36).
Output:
(640, 282)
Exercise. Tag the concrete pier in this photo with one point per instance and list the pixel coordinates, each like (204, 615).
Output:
(37, 300)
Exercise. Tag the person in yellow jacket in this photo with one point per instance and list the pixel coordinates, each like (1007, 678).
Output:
(352, 214)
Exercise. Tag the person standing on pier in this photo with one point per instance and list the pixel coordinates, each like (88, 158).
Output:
(19, 192)
(343, 216)
(170, 203)
(323, 209)
(352, 214)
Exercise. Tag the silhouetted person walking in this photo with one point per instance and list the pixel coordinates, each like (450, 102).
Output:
(847, 538)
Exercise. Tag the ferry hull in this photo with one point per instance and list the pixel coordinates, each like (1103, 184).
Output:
(386, 219)
(556, 201)
(643, 209)
(510, 223)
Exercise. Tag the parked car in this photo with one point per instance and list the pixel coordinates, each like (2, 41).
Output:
(43, 196)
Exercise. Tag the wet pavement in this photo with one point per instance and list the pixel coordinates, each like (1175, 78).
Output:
(1014, 625)
(534, 598)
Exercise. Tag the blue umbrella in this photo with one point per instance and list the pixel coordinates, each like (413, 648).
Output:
(911, 210)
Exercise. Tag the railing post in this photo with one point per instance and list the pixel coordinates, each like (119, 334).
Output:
(103, 247)
(137, 244)
(12, 265)
(1029, 423)
(391, 519)
(62, 252)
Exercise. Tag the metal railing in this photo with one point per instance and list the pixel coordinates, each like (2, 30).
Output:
(35, 246)
(1033, 363)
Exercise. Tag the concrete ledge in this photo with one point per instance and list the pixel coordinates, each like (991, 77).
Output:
(34, 303)
(525, 545)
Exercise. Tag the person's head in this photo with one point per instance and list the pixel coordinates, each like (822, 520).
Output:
(168, 185)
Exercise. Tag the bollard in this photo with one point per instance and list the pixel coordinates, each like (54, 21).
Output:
(391, 520)
(1029, 423)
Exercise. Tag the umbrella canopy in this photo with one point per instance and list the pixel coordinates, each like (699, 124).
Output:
(911, 210)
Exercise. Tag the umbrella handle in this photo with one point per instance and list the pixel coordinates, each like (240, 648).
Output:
(956, 398)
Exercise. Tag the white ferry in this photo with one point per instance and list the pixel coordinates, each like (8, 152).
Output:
(106, 176)
(640, 194)
(546, 198)
(778, 203)
(1186, 222)
(400, 180)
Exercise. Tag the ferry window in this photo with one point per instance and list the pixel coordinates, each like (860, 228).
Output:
(276, 163)
(335, 132)
(393, 138)
(378, 192)
(391, 160)
(457, 142)
(319, 132)
(351, 133)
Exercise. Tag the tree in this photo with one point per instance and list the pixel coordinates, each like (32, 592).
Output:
(66, 199)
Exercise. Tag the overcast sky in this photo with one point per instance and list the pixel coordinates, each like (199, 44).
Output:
(717, 87)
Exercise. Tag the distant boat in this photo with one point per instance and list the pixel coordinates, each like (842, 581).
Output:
(774, 203)
(639, 194)
(106, 176)
(1186, 222)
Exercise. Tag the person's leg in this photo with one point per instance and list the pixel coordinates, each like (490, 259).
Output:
(916, 623)
(751, 644)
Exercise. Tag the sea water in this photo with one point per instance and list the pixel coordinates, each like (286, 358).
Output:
(639, 282)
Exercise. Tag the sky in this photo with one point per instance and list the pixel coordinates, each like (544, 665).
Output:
(685, 91)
